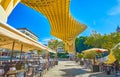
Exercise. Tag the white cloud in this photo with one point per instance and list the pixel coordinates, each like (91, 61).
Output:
(116, 9)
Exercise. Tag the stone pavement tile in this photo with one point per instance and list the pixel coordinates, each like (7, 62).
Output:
(98, 74)
(64, 69)
(72, 69)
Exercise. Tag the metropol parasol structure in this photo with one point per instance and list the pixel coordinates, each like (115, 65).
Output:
(63, 25)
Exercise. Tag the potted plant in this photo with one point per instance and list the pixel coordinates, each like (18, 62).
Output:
(92, 55)
(80, 56)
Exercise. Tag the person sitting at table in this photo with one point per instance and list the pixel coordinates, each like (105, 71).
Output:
(6, 67)
(116, 65)
(113, 68)
(29, 72)
(101, 67)
(2, 72)
(12, 68)
(104, 67)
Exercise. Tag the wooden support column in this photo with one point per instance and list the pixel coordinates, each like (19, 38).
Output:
(13, 45)
(21, 50)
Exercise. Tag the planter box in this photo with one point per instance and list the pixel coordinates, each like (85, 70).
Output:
(96, 68)
(56, 62)
(81, 63)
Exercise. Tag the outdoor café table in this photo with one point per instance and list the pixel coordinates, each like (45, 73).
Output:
(14, 72)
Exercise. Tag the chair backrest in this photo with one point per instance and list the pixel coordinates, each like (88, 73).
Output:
(6, 67)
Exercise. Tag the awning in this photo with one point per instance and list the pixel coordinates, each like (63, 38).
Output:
(95, 50)
(8, 35)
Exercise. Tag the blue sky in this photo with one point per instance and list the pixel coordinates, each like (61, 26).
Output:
(100, 15)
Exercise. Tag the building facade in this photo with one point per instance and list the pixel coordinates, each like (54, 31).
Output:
(56, 44)
(60, 49)
(28, 33)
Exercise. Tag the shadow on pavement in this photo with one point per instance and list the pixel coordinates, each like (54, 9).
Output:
(69, 65)
(100, 75)
(73, 72)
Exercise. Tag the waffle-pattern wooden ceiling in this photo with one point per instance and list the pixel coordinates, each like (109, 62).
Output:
(63, 25)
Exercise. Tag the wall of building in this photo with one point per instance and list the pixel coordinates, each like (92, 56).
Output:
(28, 33)
(60, 49)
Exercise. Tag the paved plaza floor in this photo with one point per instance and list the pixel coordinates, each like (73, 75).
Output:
(72, 69)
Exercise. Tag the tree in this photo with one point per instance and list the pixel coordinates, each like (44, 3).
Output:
(106, 41)
(109, 41)
(79, 44)
(80, 55)
(54, 44)
(94, 40)
(92, 55)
